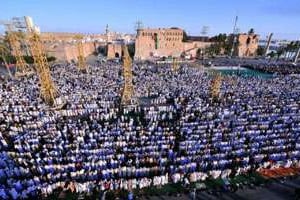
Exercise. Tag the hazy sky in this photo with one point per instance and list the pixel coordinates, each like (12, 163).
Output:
(279, 16)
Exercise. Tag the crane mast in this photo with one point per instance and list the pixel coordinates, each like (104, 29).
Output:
(127, 72)
(81, 58)
(174, 64)
(216, 86)
(268, 44)
(15, 45)
(48, 90)
(234, 36)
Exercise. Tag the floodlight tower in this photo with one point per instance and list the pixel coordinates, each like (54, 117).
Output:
(138, 25)
(204, 30)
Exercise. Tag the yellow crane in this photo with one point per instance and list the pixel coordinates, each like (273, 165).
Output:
(15, 45)
(174, 64)
(127, 73)
(216, 86)
(48, 90)
(81, 59)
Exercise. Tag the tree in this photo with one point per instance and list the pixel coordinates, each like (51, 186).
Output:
(271, 54)
(185, 37)
(131, 49)
(260, 51)
(280, 52)
(214, 49)
(221, 43)
(251, 31)
(28, 59)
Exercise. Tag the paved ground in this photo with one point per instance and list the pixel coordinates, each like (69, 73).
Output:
(272, 191)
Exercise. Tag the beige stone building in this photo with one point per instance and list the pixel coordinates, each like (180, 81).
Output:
(68, 51)
(247, 45)
(63, 45)
(164, 42)
(158, 43)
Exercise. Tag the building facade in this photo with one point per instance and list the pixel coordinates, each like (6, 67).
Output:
(158, 43)
(247, 45)
(68, 51)
(114, 51)
(164, 42)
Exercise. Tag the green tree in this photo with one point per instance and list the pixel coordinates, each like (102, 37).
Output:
(28, 59)
(271, 54)
(185, 37)
(260, 51)
(131, 49)
(214, 49)
(280, 52)
(251, 31)
(221, 42)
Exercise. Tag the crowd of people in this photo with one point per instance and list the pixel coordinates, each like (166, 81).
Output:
(268, 66)
(174, 131)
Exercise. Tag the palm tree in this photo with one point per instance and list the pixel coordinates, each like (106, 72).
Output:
(280, 52)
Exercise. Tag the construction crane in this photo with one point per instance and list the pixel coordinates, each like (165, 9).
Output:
(81, 59)
(216, 86)
(15, 45)
(48, 90)
(127, 73)
(174, 64)
(234, 34)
